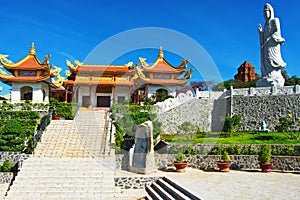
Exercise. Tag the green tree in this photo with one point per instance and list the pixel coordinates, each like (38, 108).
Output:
(128, 117)
(231, 124)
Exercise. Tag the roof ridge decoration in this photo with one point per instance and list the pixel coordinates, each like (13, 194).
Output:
(72, 67)
(55, 73)
(161, 53)
(143, 62)
(139, 73)
(3, 59)
(32, 49)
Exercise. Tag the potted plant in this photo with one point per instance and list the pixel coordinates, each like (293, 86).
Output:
(55, 116)
(179, 163)
(264, 158)
(55, 107)
(224, 164)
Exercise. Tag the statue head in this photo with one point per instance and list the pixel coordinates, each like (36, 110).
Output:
(268, 12)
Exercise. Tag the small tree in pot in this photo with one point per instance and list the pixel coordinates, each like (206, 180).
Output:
(264, 157)
(224, 164)
(179, 163)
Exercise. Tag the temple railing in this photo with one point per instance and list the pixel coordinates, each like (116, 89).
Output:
(171, 103)
(264, 91)
(122, 79)
(103, 79)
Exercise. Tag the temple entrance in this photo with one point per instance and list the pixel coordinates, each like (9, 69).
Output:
(26, 93)
(103, 101)
(85, 101)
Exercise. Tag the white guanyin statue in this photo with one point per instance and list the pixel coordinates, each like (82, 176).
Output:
(270, 43)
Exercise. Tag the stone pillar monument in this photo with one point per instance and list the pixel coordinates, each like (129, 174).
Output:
(141, 155)
(270, 43)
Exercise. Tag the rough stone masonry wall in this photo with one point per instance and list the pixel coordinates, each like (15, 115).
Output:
(13, 157)
(6, 177)
(204, 113)
(134, 182)
(268, 108)
(204, 162)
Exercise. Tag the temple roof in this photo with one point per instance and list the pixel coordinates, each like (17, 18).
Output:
(144, 72)
(30, 62)
(162, 65)
(87, 67)
(35, 70)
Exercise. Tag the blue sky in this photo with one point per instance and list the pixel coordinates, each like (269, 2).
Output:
(227, 30)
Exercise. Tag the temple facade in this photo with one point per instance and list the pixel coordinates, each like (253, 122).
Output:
(96, 86)
(103, 85)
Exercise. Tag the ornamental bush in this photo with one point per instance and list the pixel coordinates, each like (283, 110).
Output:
(128, 117)
(231, 124)
(62, 109)
(6, 166)
(264, 154)
(12, 136)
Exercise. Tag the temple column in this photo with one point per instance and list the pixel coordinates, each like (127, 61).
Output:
(91, 96)
(129, 93)
(146, 90)
(66, 94)
(75, 93)
(114, 94)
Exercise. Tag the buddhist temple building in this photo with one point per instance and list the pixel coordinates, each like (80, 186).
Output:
(95, 86)
(246, 72)
(29, 78)
(103, 85)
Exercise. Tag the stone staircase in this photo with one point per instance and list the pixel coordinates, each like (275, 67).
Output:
(166, 189)
(73, 160)
(85, 136)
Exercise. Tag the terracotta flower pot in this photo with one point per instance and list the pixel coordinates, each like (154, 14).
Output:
(224, 166)
(55, 117)
(180, 167)
(266, 167)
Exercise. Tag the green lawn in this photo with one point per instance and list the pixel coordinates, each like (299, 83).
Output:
(236, 138)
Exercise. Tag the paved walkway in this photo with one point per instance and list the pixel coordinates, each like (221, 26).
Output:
(3, 188)
(233, 185)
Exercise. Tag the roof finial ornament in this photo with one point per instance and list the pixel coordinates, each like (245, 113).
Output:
(32, 49)
(160, 54)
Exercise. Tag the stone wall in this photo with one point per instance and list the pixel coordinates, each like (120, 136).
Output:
(254, 105)
(134, 182)
(268, 108)
(204, 149)
(6, 177)
(205, 113)
(205, 162)
(13, 157)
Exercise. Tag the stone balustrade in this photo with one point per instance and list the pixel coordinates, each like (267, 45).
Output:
(171, 103)
(264, 91)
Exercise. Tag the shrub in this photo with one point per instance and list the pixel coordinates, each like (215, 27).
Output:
(231, 124)
(6, 166)
(225, 157)
(191, 151)
(128, 117)
(284, 124)
(179, 158)
(264, 154)
(174, 149)
(217, 150)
